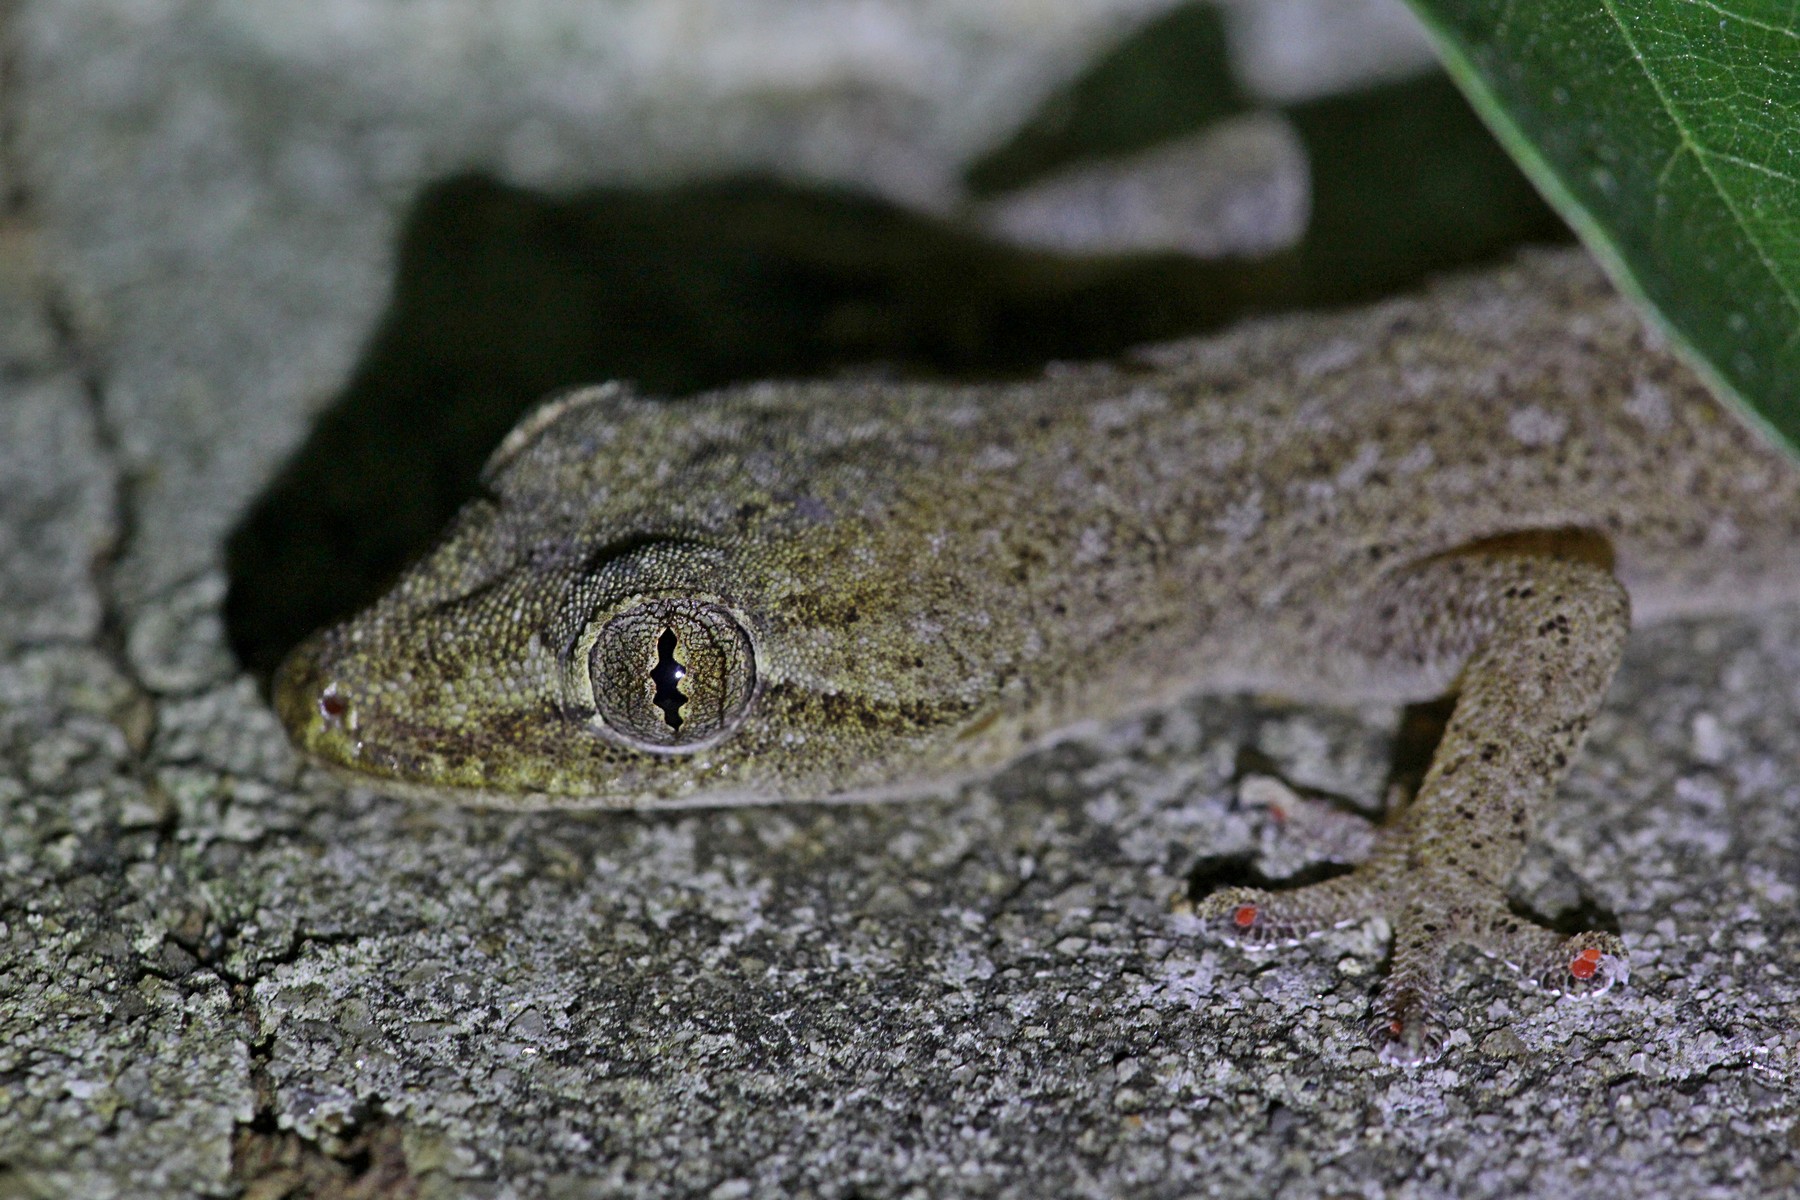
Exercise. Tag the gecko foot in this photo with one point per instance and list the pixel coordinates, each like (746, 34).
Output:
(1406, 1025)
(1429, 914)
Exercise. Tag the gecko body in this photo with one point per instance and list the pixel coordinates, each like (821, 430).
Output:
(789, 591)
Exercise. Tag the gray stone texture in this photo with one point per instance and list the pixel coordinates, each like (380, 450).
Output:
(224, 975)
(1236, 189)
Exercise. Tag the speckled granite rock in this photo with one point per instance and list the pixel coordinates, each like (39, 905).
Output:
(1237, 189)
(223, 976)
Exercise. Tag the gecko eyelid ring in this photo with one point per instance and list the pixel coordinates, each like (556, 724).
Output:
(671, 674)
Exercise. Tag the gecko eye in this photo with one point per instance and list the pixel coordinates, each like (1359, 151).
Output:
(672, 673)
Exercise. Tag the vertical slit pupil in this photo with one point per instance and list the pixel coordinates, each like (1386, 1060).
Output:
(667, 675)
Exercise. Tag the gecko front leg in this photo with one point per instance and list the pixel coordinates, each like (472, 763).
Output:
(1528, 641)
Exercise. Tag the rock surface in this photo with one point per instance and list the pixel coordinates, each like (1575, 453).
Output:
(223, 975)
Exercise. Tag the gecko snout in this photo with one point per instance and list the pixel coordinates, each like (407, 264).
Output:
(317, 710)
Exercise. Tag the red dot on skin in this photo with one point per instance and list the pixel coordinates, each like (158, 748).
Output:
(332, 706)
(1245, 916)
(1586, 964)
(1396, 1027)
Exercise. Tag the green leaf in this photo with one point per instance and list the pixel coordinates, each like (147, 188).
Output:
(1667, 132)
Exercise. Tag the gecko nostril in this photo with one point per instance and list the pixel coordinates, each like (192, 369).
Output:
(332, 706)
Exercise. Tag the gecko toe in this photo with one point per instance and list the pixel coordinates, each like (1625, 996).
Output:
(1406, 1031)
(1587, 964)
(1251, 917)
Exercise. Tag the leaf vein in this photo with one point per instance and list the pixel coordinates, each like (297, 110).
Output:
(1688, 142)
(1765, 26)
(1747, 164)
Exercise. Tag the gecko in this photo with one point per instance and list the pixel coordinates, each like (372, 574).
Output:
(805, 591)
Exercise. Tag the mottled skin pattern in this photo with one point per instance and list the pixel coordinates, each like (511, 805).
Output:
(1474, 490)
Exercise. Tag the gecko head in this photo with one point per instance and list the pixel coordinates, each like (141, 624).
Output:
(615, 678)
(629, 676)
(642, 682)
(627, 618)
